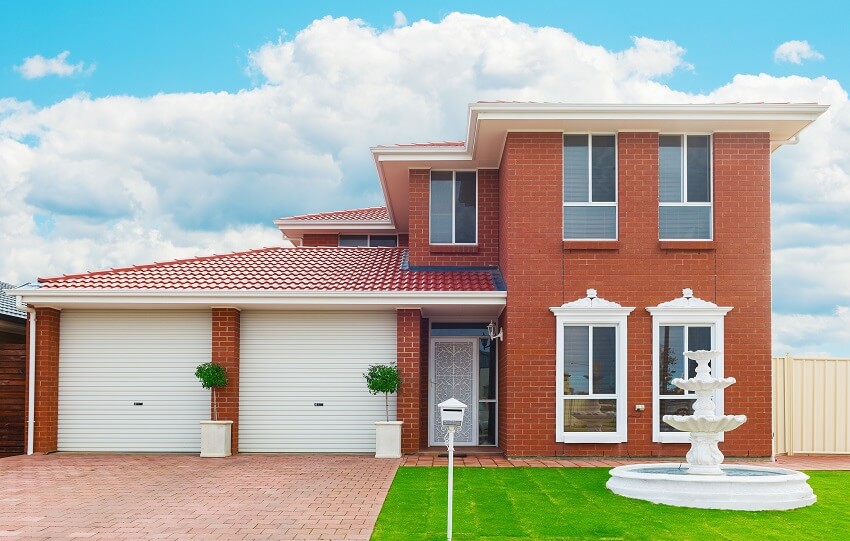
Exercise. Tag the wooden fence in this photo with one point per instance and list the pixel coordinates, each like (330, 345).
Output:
(811, 406)
(12, 384)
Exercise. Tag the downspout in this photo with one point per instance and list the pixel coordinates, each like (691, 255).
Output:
(31, 384)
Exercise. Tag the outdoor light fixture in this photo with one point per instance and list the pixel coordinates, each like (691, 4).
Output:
(451, 419)
(491, 332)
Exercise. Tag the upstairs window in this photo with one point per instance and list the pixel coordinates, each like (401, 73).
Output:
(454, 209)
(684, 187)
(350, 241)
(590, 187)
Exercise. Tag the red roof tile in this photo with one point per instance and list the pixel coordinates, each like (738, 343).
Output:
(284, 269)
(371, 214)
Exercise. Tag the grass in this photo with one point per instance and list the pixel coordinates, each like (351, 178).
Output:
(572, 503)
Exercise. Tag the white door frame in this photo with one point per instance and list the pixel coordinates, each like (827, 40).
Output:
(434, 438)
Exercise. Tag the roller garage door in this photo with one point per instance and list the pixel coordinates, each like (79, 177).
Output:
(301, 386)
(127, 380)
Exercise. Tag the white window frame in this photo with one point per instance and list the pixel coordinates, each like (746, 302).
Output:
(592, 312)
(683, 187)
(477, 209)
(687, 312)
(589, 203)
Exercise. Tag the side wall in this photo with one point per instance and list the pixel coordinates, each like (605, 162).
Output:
(542, 271)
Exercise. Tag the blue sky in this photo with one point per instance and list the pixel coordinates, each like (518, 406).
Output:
(141, 131)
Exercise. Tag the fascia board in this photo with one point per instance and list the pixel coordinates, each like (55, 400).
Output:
(783, 111)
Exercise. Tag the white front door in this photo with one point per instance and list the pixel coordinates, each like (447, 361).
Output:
(454, 365)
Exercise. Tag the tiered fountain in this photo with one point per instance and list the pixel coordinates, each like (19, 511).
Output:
(704, 482)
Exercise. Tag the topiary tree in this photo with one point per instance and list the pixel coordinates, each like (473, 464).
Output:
(383, 378)
(212, 376)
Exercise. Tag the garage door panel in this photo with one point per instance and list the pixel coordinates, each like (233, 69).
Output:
(292, 360)
(110, 360)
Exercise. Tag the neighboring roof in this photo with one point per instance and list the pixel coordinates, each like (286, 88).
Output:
(365, 214)
(432, 144)
(285, 269)
(7, 304)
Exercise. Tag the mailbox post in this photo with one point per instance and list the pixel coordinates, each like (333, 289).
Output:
(451, 418)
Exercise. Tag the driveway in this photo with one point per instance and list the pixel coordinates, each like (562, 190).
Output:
(181, 497)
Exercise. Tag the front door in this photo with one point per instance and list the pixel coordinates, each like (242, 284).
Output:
(454, 366)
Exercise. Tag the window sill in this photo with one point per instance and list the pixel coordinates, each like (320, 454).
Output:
(686, 245)
(591, 245)
(453, 249)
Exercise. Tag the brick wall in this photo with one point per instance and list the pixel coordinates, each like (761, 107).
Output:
(485, 253)
(225, 351)
(46, 380)
(542, 271)
(408, 358)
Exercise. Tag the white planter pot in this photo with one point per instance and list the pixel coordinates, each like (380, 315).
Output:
(215, 438)
(388, 439)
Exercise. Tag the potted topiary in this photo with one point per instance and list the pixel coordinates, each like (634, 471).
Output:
(215, 434)
(384, 378)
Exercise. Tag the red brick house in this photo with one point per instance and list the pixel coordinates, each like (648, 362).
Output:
(601, 241)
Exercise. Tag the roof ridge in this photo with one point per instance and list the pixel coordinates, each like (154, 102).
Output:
(156, 264)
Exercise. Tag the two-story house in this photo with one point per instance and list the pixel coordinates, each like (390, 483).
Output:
(596, 243)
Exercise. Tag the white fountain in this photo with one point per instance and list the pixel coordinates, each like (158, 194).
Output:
(704, 482)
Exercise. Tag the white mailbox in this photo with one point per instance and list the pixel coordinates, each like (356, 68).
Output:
(451, 413)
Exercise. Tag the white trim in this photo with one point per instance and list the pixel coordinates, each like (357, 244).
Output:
(31, 383)
(687, 312)
(593, 312)
(454, 229)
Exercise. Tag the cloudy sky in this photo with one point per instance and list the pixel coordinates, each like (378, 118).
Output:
(140, 131)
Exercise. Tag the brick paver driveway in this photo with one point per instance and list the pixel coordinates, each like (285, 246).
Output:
(174, 497)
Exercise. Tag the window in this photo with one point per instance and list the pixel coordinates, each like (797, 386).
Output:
(590, 187)
(684, 187)
(683, 324)
(591, 371)
(454, 209)
(368, 240)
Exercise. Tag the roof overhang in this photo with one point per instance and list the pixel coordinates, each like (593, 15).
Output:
(295, 229)
(489, 124)
(455, 303)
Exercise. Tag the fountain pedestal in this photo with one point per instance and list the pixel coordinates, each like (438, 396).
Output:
(706, 483)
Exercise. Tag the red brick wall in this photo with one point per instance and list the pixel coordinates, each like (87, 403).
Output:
(485, 253)
(46, 380)
(320, 239)
(541, 271)
(408, 357)
(225, 351)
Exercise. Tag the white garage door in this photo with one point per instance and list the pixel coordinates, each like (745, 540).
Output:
(301, 385)
(127, 380)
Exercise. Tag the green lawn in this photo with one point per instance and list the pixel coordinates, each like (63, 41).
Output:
(573, 503)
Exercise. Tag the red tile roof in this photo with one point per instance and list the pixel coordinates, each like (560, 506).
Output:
(285, 269)
(370, 214)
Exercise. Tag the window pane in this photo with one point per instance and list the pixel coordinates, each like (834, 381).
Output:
(589, 415)
(698, 338)
(671, 361)
(670, 168)
(590, 222)
(678, 406)
(604, 177)
(576, 365)
(353, 240)
(441, 206)
(486, 423)
(575, 169)
(465, 207)
(692, 223)
(383, 240)
(486, 370)
(698, 168)
(604, 360)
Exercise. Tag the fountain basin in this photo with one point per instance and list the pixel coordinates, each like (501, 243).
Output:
(741, 488)
(689, 423)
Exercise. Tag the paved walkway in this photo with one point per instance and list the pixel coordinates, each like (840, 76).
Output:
(181, 497)
(796, 462)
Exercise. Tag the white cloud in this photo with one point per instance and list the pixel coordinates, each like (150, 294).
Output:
(812, 335)
(795, 51)
(36, 67)
(100, 182)
(399, 19)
